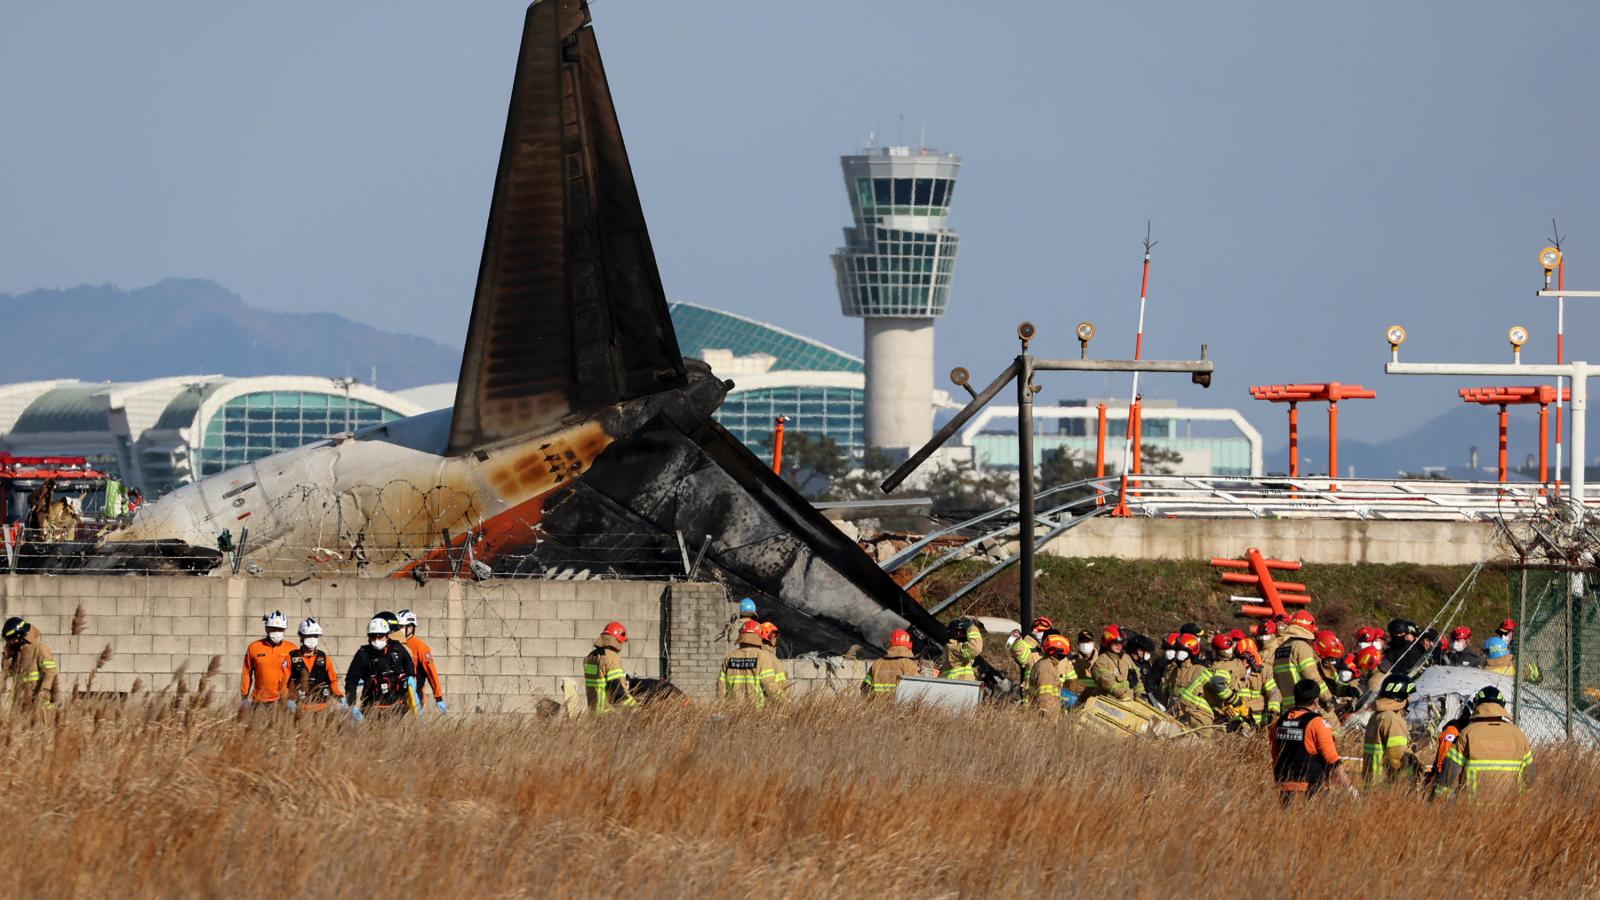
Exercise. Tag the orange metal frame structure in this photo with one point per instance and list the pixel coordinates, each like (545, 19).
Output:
(1295, 394)
(1280, 595)
(1543, 394)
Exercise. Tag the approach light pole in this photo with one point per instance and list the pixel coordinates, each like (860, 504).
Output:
(1022, 369)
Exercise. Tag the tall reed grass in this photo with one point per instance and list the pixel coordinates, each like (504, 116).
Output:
(167, 796)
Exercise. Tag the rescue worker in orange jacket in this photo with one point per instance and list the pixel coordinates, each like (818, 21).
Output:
(1387, 755)
(1491, 759)
(884, 674)
(1304, 755)
(605, 682)
(266, 664)
(1044, 682)
(751, 673)
(422, 658)
(29, 664)
(1295, 659)
(1113, 671)
(962, 650)
(313, 680)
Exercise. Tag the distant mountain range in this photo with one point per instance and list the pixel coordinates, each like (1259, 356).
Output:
(194, 326)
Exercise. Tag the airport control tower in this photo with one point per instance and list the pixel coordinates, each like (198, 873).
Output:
(894, 272)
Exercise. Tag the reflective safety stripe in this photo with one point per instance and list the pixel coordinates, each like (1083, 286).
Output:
(48, 664)
(1194, 692)
(31, 676)
(963, 671)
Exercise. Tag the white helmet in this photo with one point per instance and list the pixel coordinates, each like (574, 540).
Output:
(407, 617)
(276, 619)
(310, 627)
(378, 626)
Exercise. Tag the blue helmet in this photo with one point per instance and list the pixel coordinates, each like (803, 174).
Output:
(1496, 647)
(747, 607)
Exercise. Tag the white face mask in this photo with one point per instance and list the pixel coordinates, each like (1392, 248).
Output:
(1183, 654)
(1172, 654)
(275, 637)
(1378, 645)
(310, 642)
(1345, 675)
(378, 643)
(1458, 646)
(1037, 636)
(1086, 648)
(1227, 654)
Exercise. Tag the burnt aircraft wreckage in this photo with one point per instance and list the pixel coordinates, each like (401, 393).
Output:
(580, 439)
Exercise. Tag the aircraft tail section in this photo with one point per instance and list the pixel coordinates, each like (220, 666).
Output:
(569, 315)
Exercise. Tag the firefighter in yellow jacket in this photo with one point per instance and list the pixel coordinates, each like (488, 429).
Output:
(1192, 684)
(1044, 682)
(29, 664)
(605, 682)
(1295, 659)
(751, 674)
(1491, 759)
(884, 674)
(962, 650)
(1112, 670)
(1386, 753)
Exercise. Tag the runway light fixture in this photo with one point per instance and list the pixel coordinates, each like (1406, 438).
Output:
(1550, 258)
(1085, 335)
(1518, 336)
(1396, 335)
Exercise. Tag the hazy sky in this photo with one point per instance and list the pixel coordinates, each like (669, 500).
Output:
(1314, 171)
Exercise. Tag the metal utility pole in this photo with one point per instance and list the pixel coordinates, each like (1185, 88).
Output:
(1022, 369)
(1579, 372)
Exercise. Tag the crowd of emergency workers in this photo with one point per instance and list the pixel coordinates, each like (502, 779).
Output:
(1284, 677)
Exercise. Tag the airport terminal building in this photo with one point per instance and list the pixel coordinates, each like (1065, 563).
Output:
(160, 434)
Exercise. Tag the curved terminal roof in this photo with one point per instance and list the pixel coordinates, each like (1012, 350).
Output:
(64, 408)
(702, 328)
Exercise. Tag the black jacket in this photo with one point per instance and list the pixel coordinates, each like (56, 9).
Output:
(380, 675)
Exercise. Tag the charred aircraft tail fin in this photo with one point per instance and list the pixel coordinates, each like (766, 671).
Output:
(569, 315)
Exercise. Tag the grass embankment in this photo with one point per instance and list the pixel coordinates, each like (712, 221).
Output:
(1157, 596)
(831, 797)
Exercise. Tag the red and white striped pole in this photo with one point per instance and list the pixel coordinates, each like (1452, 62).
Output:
(1132, 425)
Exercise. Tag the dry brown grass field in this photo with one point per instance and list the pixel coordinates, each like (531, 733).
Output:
(826, 798)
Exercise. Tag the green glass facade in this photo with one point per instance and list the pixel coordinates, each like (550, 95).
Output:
(252, 426)
(832, 411)
(701, 328)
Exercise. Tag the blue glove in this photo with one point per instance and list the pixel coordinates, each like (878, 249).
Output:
(440, 704)
(1068, 699)
(355, 713)
(293, 707)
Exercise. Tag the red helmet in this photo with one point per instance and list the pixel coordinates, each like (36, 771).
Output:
(1172, 640)
(1461, 633)
(1112, 635)
(1303, 618)
(616, 630)
(1367, 659)
(1328, 645)
(1043, 623)
(1057, 645)
(769, 632)
(750, 626)
(1222, 642)
(1508, 625)
(1190, 643)
(1366, 634)
(1267, 628)
(900, 638)
(1237, 635)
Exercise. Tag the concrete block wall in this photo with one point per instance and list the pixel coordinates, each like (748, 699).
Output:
(500, 645)
(1328, 541)
(699, 635)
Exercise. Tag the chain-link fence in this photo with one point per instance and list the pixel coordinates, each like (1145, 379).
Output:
(1556, 686)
